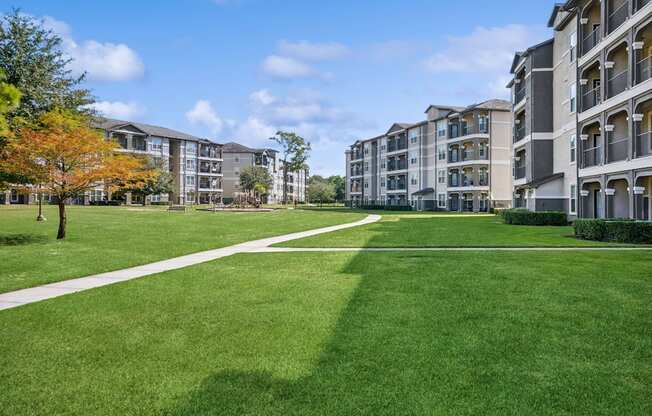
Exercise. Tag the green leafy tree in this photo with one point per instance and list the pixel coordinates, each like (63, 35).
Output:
(32, 60)
(320, 190)
(255, 180)
(161, 182)
(295, 151)
(9, 101)
(339, 185)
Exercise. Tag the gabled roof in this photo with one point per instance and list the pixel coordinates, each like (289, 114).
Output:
(493, 104)
(558, 8)
(233, 147)
(522, 54)
(443, 107)
(398, 127)
(109, 124)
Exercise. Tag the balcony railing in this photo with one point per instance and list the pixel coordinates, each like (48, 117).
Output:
(483, 182)
(592, 156)
(519, 132)
(591, 98)
(453, 157)
(397, 145)
(644, 144)
(454, 181)
(617, 150)
(641, 3)
(617, 83)
(396, 186)
(356, 155)
(519, 95)
(467, 180)
(210, 170)
(618, 16)
(396, 165)
(356, 172)
(519, 172)
(644, 69)
(468, 155)
(591, 40)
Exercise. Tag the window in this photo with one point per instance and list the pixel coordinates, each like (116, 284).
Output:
(156, 145)
(573, 148)
(483, 124)
(383, 163)
(573, 98)
(190, 180)
(413, 161)
(191, 164)
(441, 128)
(366, 150)
(382, 182)
(573, 199)
(441, 176)
(573, 46)
(237, 173)
(413, 180)
(382, 147)
(366, 185)
(366, 167)
(191, 148)
(236, 159)
(441, 200)
(441, 152)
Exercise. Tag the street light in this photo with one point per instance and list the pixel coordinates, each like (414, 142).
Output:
(40, 217)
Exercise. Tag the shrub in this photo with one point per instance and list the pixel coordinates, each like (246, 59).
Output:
(521, 216)
(619, 231)
(379, 207)
(159, 203)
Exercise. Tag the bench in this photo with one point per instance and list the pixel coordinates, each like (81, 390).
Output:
(181, 208)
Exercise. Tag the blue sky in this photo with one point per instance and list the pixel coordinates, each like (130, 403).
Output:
(333, 71)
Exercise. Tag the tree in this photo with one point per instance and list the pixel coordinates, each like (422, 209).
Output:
(320, 190)
(33, 61)
(256, 180)
(339, 185)
(67, 158)
(157, 179)
(295, 151)
(9, 101)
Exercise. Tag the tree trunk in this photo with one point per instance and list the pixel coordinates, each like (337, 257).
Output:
(61, 234)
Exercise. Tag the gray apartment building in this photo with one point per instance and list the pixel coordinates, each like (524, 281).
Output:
(458, 159)
(195, 164)
(238, 157)
(582, 109)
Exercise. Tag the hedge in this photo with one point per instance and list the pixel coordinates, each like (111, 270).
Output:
(521, 216)
(619, 231)
(377, 207)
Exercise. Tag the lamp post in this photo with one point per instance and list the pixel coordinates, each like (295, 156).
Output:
(40, 216)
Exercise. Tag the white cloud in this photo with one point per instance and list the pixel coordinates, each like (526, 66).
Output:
(287, 68)
(101, 61)
(119, 109)
(203, 113)
(313, 51)
(484, 49)
(262, 97)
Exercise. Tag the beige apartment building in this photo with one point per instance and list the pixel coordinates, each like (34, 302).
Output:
(599, 156)
(458, 159)
(237, 157)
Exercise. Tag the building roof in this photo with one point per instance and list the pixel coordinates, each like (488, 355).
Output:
(558, 8)
(113, 124)
(521, 54)
(444, 107)
(233, 147)
(493, 104)
(424, 191)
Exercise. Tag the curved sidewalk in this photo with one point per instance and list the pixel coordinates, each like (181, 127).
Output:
(52, 290)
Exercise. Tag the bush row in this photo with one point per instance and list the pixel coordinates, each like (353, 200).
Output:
(619, 231)
(524, 217)
(378, 207)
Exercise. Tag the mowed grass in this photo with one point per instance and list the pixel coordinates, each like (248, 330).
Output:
(527, 333)
(101, 239)
(445, 230)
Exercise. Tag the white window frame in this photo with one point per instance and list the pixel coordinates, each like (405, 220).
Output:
(441, 152)
(572, 199)
(440, 200)
(572, 101)
(441, 176)
(572, 50)
(573, 149)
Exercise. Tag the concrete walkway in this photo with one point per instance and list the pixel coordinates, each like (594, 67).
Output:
(416, 249)
(35, 294)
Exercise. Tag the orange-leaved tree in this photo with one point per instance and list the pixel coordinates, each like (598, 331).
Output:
(67, 157)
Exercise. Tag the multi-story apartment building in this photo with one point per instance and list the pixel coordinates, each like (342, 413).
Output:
(237, 157)
(195, 163)
(586, 145)
(457, 159)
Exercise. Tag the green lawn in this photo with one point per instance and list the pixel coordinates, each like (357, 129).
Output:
(102, 239)
(343, 333)
(445, 230)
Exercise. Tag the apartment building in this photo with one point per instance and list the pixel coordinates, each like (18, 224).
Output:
(195, 163)
(237, 157)
(458, 159)
(583, 144)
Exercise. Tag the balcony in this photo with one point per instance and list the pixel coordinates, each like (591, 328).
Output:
(211, 152)
(644, 144)
(519, 132)
(210, 169)
(454, 181)
(592, 156)
(397, 165)
(591, 40)
(356, 155)
(206, 185)
(396, 186)
(592, 98)
(641, 3)
(519, 172)
(618, 16)
(644, 69)
(617, 149)
(617, 84)
(519, 95)
(396, 146)
(356, 172)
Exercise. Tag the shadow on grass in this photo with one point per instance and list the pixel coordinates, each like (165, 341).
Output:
(21, 239)
(453, 334)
